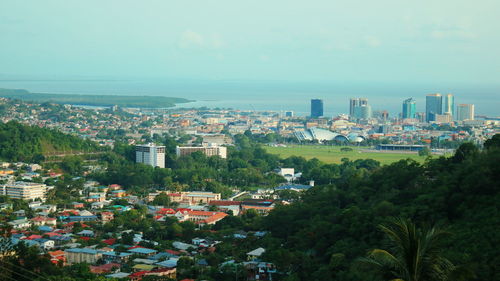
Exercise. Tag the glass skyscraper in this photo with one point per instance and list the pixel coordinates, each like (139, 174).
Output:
(433, 106)
(449, 104)
(409, 109)
(316, 108)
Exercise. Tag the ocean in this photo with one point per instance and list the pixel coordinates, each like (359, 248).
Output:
(275, 96)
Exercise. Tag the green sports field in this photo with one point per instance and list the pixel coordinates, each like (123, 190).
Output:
(333, 154)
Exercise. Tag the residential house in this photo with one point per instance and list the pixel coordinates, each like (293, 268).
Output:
(255, 254)
(20, 224)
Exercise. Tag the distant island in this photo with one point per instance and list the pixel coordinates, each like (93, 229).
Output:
(94, 100)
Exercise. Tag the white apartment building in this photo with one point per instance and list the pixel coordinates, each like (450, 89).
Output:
(25, 190)
(208, 150)
(465, 112)
(150, 154)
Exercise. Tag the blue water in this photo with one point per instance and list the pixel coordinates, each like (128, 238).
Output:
(276, 96)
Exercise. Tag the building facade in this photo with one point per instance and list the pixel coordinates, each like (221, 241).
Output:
(363, 111)
(25, 190)
(409, 109)
(150, 154)
(79, 255)
(465, 112)
(208, 150)
(449, 105)
(433, 106)
(316, 108)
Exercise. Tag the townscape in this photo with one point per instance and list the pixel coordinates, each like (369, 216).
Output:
(192, 206)
(249, 140)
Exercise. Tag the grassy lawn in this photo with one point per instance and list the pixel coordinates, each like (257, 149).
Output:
(332, 154)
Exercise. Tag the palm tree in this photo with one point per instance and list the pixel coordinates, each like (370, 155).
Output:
(414, 255)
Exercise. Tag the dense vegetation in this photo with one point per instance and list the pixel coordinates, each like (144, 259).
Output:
(321, 236)
(24, 143)
(95, 100)
(325, 232)
(248, 165)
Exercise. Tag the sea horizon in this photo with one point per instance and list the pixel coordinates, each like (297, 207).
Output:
(271, 95)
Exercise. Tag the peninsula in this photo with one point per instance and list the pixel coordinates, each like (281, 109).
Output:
(94, 100)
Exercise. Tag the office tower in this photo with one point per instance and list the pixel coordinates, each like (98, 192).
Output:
(465, 112)
(353, 102)
(288, 113)
(150, 154)
(363, 101)
(409, 109)
(363, 112)
(449, 104)
(316, 108)
(433, 106)
(385, 115)
(420, 116)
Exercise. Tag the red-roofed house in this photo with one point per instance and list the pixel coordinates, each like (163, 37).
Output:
(205, 217)
(114, 186)
(105, 268)
(165, 211)
(107, 217)
(57, 256)
(172, 252)
(110, 241)
(41, 220)
(33, 237)
(69, 225)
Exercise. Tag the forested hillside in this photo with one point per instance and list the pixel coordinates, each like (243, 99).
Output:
(20, 142)
(322, 236)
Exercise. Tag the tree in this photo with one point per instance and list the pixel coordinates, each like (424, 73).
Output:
(465, 151)
(424, 152)
(494, 142)
(162, 199)
(414, 254)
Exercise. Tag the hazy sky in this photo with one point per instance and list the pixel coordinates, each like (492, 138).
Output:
(331, 40)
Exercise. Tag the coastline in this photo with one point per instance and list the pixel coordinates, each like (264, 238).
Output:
(95, 100)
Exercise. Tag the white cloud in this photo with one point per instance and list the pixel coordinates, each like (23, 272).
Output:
(373, 41)
(192, 39)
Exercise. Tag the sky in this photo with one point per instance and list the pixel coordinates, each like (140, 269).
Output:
(445, 41)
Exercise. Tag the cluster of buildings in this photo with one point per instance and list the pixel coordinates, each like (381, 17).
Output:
(216, 127)
(67, 233)
(438, 108)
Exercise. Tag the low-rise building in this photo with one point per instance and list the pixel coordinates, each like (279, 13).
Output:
(25, 190)
(79, 255)
(193, 197)
(208, 150)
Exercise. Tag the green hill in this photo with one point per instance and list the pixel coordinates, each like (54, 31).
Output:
(321, 236)
(24, 143)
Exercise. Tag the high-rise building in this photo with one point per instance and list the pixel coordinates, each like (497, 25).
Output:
(288, 113)
(150, 154)
(433, 106)
(409, 109)
(353, 102)
(363, 112)
(449, 104)
(465, 112)
(316, 108)
(359, 108)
